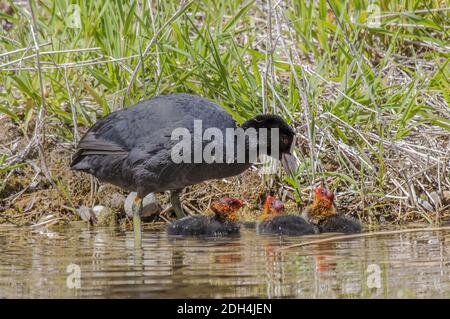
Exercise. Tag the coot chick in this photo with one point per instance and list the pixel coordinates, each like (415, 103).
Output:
(290, 225)
(133, 148)
(323, 213)
(222, 222)
(322, 206)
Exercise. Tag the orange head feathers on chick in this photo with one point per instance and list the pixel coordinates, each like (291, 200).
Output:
(322, 206)
(272, 207)
(227, 208)
(324, 195)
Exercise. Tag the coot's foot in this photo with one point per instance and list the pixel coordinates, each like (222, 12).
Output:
(137, 211)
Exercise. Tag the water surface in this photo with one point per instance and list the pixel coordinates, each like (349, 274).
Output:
(36, 264)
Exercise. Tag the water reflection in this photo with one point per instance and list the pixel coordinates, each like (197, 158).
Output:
(34, 264)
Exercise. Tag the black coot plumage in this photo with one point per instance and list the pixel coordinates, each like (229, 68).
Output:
(132, 148)
(289, 225)
(201, 225)
(222, 222)
(340, 224)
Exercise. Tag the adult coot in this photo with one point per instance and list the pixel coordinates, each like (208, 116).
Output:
(290, 225)
(133, 148)
(222, 222)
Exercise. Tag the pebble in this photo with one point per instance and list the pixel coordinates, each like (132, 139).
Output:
(436, 199)
(104, 216)
(84, 212)
(114, 201)
(425, 204)
(99, 214)
(150, 205)
(100, 210)
(446, 196)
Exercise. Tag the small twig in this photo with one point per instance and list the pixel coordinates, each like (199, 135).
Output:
(192, 207)
(394, 14)
(79, 64)
(47, 222)
(40, 53)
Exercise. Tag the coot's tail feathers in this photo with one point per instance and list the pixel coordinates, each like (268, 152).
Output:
(75, 164)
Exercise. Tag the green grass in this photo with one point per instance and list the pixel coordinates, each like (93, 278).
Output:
(370, 102)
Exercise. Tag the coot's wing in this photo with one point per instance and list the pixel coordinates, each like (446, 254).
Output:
(151, 123)
(119, 133)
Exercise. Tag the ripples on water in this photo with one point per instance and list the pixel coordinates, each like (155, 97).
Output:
(34, 264)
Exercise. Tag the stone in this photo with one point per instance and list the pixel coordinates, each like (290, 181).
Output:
(446, 196)
(436, 199)
(150, 205)
(114, 201)
(84, 212)
(425, 204)
(99, 210)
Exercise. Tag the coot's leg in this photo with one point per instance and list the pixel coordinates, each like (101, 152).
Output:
(176, 202)
(137, 210)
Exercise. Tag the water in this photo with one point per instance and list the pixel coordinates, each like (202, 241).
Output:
(34, 264)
